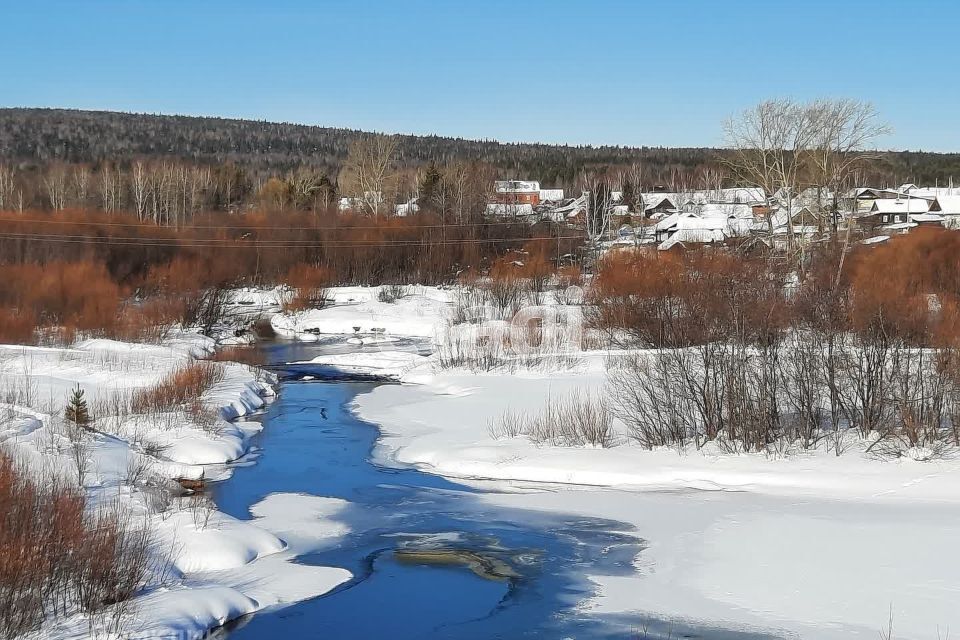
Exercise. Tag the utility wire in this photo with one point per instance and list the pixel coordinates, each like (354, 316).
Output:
(234, 243)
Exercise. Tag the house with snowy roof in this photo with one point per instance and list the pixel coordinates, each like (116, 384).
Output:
(886, 211)
(947, 206)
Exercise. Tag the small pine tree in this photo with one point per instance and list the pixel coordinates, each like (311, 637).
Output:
(76, 411)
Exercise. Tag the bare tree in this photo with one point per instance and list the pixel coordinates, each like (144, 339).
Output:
(369, 171)
(81, 185)
(768, 142)
(843, 129)
(7, 188)
(55, 183)
(138, 185)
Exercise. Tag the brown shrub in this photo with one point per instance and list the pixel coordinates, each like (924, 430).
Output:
(893, 285)
(244, 355)
(57, 556)
(679, 299)
(311, 283)
(67, 296)
(17, 327)
(181, 387)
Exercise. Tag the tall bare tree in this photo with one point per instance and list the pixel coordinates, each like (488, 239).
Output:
(768, 143)
(843, 131)
(7, 188)
(369, 171)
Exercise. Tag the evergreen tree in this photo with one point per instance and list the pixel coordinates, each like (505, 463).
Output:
(429, 188)
(76, 411)
(629, 195)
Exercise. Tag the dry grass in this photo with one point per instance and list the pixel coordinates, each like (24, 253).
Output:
(249, 356)
(577, 420)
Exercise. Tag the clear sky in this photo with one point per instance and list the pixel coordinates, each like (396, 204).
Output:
(654, 72)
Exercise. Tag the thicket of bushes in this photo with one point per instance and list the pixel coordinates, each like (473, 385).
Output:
(58, 556)
(81, 272)
(490, 327)
(744, 354)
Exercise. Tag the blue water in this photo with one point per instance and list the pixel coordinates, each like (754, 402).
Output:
(312, 444)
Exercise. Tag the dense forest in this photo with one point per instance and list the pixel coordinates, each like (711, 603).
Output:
(41, 136)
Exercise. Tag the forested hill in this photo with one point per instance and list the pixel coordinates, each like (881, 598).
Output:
(45, 135)
(37, 137)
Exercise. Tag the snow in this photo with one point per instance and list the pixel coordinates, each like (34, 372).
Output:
(187, 613)
(357, 310)
(213, 541)
(803, 544)
(306, 522)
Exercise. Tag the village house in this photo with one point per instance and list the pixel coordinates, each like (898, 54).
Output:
(886, 211)
(947, 206)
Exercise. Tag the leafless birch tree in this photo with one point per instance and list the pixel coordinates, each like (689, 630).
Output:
(369, 171)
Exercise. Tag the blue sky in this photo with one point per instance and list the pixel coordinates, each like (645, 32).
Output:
(604, 72)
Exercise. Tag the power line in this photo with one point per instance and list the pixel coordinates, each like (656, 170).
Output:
(242, 227)
(230, 243)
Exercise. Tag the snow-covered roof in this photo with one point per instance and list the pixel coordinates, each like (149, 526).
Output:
(948, 205)
(905, 205)
(931, 193)
(552, 195)
(692, 236)
(690, 222)
(925, 217)
(875, 240)
(711, 209)
(899, 226)
(516, 186)
(669, 222)
(655, 200)
(407, 208)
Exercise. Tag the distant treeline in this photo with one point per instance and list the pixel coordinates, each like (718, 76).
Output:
(42, 136)
(247, 153)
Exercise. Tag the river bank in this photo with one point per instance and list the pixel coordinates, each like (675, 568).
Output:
(206, 567)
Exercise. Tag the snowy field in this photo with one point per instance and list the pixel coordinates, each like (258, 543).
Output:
(801, 544)
(220, 568)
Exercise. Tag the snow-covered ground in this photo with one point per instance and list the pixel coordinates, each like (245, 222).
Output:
(220, 568)
(805, 544)
(358, 310)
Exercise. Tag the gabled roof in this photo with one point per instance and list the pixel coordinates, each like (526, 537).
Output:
(693, 236)
(654, 200)
(948, 205)
(669, 222)
(905, 205)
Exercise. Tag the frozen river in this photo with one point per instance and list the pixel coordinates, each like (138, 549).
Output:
(430, 559)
